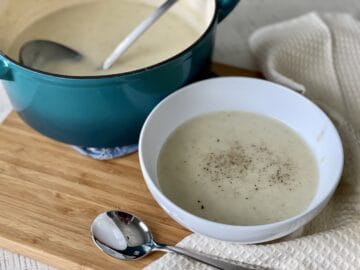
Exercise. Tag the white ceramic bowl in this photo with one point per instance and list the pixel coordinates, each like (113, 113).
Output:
(252, 95)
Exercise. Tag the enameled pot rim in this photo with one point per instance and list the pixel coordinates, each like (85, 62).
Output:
(133, 72)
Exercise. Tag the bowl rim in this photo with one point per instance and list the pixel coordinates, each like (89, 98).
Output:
(153, 187)
(123, 74)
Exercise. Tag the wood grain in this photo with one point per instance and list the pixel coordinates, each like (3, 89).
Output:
(49, 195)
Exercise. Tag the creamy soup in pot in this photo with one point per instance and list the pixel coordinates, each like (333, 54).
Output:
(95, 28)
(238, 168)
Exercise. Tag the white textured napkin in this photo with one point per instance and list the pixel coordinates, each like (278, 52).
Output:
(319, 56)
(5, 107)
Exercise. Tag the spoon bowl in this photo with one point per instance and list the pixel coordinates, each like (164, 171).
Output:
(37, 53)
(121, 235)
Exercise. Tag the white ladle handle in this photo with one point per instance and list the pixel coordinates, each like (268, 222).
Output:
(136, 33)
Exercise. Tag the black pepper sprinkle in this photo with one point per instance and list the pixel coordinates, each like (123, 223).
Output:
(237, 161)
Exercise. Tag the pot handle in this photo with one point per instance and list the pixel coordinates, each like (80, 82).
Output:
(5, 71)
(225, 7)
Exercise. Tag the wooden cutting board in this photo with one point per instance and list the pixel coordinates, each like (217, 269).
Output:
(49, 195)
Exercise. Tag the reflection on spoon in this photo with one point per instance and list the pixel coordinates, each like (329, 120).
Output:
(126, 237)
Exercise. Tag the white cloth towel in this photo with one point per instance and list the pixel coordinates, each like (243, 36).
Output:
(318, 55)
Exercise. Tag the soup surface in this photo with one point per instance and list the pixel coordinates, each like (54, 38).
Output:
(238, 168)
(95, 28)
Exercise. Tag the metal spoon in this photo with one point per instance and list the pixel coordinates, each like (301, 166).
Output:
(37, 52)
(126, 237)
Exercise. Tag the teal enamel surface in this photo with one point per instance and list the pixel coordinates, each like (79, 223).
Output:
(104, 111)
(225, 7)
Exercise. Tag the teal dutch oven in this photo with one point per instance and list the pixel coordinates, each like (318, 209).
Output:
(104, 111)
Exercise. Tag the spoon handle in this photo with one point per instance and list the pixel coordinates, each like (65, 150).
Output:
(205, 259)
(136, 33)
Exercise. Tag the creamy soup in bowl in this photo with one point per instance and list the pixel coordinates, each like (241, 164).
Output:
(240, 159)
(238, 168)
